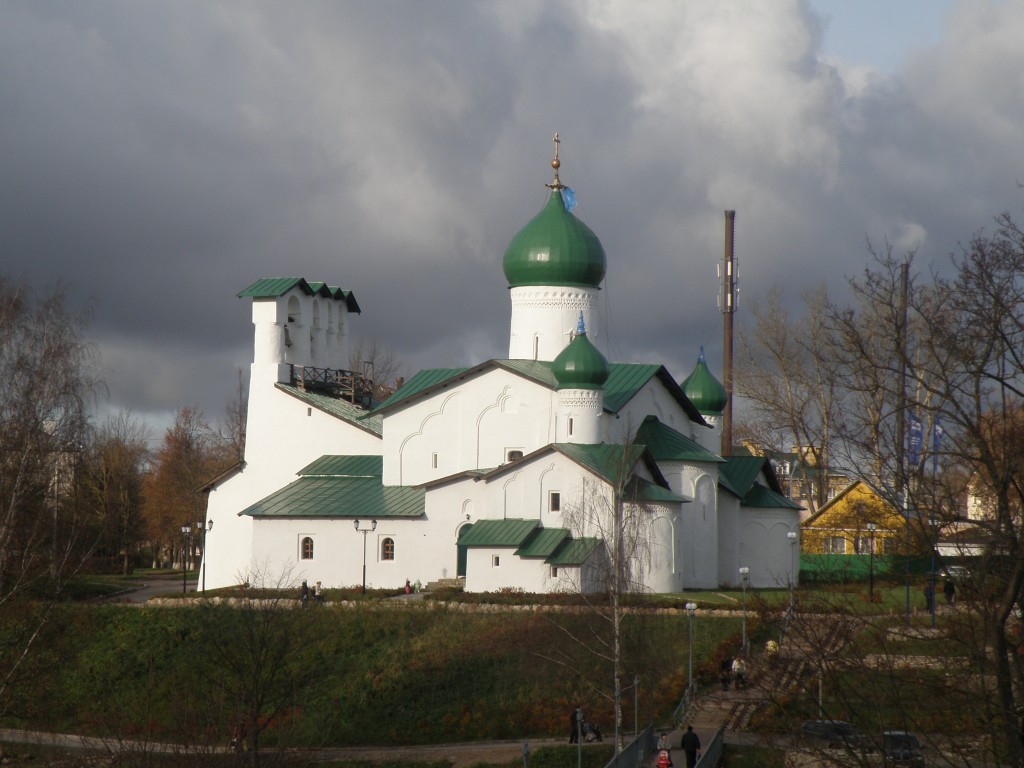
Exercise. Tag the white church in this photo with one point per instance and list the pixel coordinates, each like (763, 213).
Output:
(501, 475)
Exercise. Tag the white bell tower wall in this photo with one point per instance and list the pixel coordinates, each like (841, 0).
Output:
(543, 316)
(579, 416)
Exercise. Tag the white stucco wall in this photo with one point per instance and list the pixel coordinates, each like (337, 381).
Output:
(283, 435)
(471, 424)
(543, 316)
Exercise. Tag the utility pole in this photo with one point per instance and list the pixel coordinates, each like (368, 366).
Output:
(727, 304)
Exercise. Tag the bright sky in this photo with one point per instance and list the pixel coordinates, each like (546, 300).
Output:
(880, 33)
(160, 157)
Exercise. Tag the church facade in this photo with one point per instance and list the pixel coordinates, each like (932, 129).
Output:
(529, 471)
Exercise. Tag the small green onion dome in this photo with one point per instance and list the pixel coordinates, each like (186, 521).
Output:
(555, 248)
(580, 365)
(705, 391)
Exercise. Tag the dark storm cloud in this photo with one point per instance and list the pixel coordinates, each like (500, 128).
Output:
(161, 157)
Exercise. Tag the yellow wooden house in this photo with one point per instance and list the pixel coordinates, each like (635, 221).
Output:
(857, 521)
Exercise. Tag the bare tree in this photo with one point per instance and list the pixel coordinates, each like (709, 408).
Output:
(378, 363)
(789, 384)
(117, 470)
(947, 352)
(232, 426)
(612, 509)
(263, 646)
(47, 379)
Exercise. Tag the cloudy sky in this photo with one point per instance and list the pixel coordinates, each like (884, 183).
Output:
(160, 157)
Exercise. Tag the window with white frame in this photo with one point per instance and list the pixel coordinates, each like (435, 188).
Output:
(306, 548)
(834, 545)
(554, 501)
(495, 561)
(387, 548)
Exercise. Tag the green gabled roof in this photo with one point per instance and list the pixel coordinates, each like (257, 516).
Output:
(668, 444)
(612, 462)
(338, 294)
(337, 407)
(320, 496)
(626, 379)
(543, 542)
(418, 384)
(738, 473)
(765, 498)
(738, 476)
(272, 287)
(639, 489)
(498, 533)
(538, 370)
(574, 552)
(346, 466)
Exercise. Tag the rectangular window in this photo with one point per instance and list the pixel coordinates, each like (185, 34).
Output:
(834, 545)
(556, 501)
(495, 561)
(554, 571)
(433, 460)
(570, 425)
(864, 545)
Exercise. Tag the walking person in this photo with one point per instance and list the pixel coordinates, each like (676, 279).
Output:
(575, 724)
(691, 746)
(305, 592)
(949, 590)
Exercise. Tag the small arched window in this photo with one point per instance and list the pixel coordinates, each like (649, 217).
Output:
(306, 549)
(387, 549)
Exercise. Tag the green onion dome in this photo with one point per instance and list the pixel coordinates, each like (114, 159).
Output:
(555, 248)
(580, 365)
(705, 391)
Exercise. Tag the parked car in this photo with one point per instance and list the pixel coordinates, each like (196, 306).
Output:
(834, 734)
(902, 749)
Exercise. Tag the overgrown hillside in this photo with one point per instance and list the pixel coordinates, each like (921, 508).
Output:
(330, 676)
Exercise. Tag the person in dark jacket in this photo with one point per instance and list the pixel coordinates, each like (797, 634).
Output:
(691, 746)
(575, 723)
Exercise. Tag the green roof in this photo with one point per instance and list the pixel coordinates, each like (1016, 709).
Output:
(704, 390)
(612, 462)
(639, 489)
(580, 365)
(326, 496)
(272, 287)
(739, 473)
(626, 379)
(555, 248)
(538, 370)
(498, 533)
(668, 444)
(337, 407)
(421, 382)
(346, 466)
(574, 552)
(543, 542)
(765, 498)
(738, 476)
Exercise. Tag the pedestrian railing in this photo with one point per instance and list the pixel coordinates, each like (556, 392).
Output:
(712, 753)
(635, 752)
(680, 711)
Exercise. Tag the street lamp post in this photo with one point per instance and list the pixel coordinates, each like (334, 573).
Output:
(203, 528)
(794, 567)
(871, 562)
(744, 577)
(364, 531)
(186, 533)
(690, 609)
